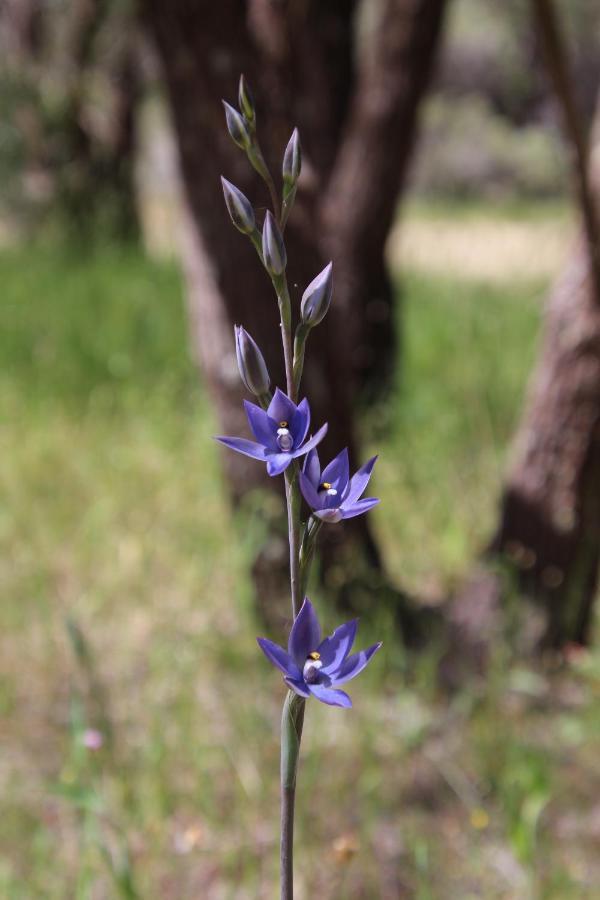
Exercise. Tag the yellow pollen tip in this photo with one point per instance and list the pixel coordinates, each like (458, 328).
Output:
(315, 655)
(283, 424)
(326, 485)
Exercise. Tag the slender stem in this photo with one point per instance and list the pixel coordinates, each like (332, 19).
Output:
(293, 508)
(272, 192)
(293, 709)
(288, 799)
(289, 195)
(307, 550)
(292, 719)
(256, 239)
(285, 312)
(257, 160)
(299, 344)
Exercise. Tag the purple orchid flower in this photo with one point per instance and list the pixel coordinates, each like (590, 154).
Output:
(332, 494)
(280, 432)
(312, 667)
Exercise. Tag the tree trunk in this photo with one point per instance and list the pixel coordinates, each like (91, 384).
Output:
(549, 529)
(550, 520)
(359, 206)
(300, 59)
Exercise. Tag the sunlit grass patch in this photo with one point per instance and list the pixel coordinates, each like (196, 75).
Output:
(467, 349)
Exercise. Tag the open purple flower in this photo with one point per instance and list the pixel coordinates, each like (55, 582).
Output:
(332, 494)
(312, 667)
(280, 432)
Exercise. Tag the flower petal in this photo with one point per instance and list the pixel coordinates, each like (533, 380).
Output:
(281, 407)
(358, 508)
(305, 634)
(298, 686)
(300, 422)
(278, 463)
(248, 448)
(262, 426)
(312, 497)
(335, 648)
(354, 664)
(337, 472)
(277, 655)
(330, 696)
(312, 442)
(359, 481)
(312, 468)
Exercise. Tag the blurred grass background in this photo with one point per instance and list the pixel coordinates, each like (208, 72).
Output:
(113, 519)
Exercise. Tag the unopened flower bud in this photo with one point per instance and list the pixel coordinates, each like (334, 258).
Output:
(239, 207)
(236, 127)
(292, 159)
(274, 254)
(251, 363)
(317, 297)
(246, 101)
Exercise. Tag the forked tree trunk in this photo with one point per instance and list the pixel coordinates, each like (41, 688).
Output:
(301, 61)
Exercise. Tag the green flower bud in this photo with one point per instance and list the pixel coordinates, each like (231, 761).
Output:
(239, 207)
(251, 363)
(292, 159)
(274, 253)
(237, 127)
(317, 297)
(246, 102)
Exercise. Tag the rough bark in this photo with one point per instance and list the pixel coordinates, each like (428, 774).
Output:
(550, 522)
(301, 60)
(547, 543)
(360, 203)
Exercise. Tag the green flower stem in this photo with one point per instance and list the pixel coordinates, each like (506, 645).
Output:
(299, 344)
(256, 238)
(307, 550)
(289, 195)
(257, 161)
(292, 719)
(293, 709)
(292, 496)
(285, 313)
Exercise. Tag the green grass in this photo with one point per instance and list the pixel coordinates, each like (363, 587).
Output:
(466, 354)
(504, 209)
(113, 516)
